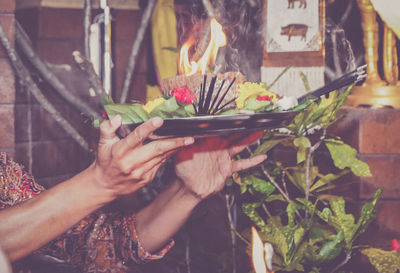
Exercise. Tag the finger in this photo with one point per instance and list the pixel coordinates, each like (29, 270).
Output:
(143, 180)
(243, 164)
(153, 150)
(152, 163)
(108, 129)
(140, 133)
(242, 144)
(147, 168)
(162, 148)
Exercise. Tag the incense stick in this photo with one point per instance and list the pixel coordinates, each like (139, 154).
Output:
(349, 78)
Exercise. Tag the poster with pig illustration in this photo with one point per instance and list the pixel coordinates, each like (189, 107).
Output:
(293, 26)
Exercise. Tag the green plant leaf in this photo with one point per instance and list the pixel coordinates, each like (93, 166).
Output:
(330, 250)
(275, 197)
(138, 110)
(250, 210)
(340, 220)
(368, 213)
(268, 145)
(128, 116)
(257, 105)
(166, 110)
(305, 81)
(254, 183)
(303, 143)
(383, 261)
(291, 209)
(345, 156)
(268, 87)
(297, 176)
(327, 179)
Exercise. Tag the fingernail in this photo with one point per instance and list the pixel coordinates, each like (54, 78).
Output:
(189, 141)
(157, 121)
(116, 120)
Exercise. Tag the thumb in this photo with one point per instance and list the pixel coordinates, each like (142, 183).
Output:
(108, 129)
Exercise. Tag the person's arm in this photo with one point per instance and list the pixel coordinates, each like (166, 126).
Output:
(202, 170)
(121, 167)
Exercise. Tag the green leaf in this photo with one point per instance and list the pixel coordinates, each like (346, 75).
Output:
(268, 87)
(96, 123)
(291, 209)
(189, 109)
(327, 179)
(330, 250)
(250, 210)
(166, 110)
(138, 110)
(303, 143)
(305, 81)
(275, 197)
(368, 213)
(230, 111)
(344, 156)
(256, 105)
(297, 175)
(268, 145)
(128, 116)
(259, 185)
(107, 100)
(383, 261)
(340, 220)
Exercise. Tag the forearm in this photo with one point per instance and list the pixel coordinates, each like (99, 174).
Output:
(33, 223)
(160, 220)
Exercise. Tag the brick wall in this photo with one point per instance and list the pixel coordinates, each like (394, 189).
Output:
(40, 143)
(7, 84)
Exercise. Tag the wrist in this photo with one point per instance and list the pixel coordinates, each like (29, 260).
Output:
(94, 185)
(188, 192)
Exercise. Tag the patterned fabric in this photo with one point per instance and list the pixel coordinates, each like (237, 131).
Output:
(105, 241)
(16, 185)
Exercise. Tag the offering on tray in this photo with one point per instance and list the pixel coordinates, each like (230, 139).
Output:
(219, 104)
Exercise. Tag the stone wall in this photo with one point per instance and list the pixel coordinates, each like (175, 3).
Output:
(7, 83)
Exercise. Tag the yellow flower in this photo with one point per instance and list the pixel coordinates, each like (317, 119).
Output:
(249, 89)
(151, 105)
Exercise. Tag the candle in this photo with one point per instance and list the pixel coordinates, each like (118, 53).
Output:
(261, 254)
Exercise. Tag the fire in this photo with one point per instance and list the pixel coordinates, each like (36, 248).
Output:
(261, 254)
(217, 40)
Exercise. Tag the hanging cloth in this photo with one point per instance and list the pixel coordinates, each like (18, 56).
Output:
(165, 40)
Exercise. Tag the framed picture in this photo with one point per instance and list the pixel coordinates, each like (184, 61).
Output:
(294, 32)
(293, 26)
(294, 37)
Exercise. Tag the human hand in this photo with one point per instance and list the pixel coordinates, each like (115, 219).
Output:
(205, 166)
(125, 165)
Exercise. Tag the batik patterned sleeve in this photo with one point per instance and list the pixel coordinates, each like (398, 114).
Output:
(16, 185)
(102, 242)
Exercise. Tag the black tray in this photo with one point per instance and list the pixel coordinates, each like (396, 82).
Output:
(217, 125)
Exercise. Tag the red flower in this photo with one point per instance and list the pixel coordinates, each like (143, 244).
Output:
(184, 94)
(395, 245)
(104, 115)
(263, 98)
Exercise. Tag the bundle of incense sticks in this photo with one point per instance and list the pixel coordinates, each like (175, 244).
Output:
(202, 83)
(212, 102)
(347, 79)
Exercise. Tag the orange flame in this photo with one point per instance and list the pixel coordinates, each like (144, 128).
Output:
(258, 250)
(217, 40)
